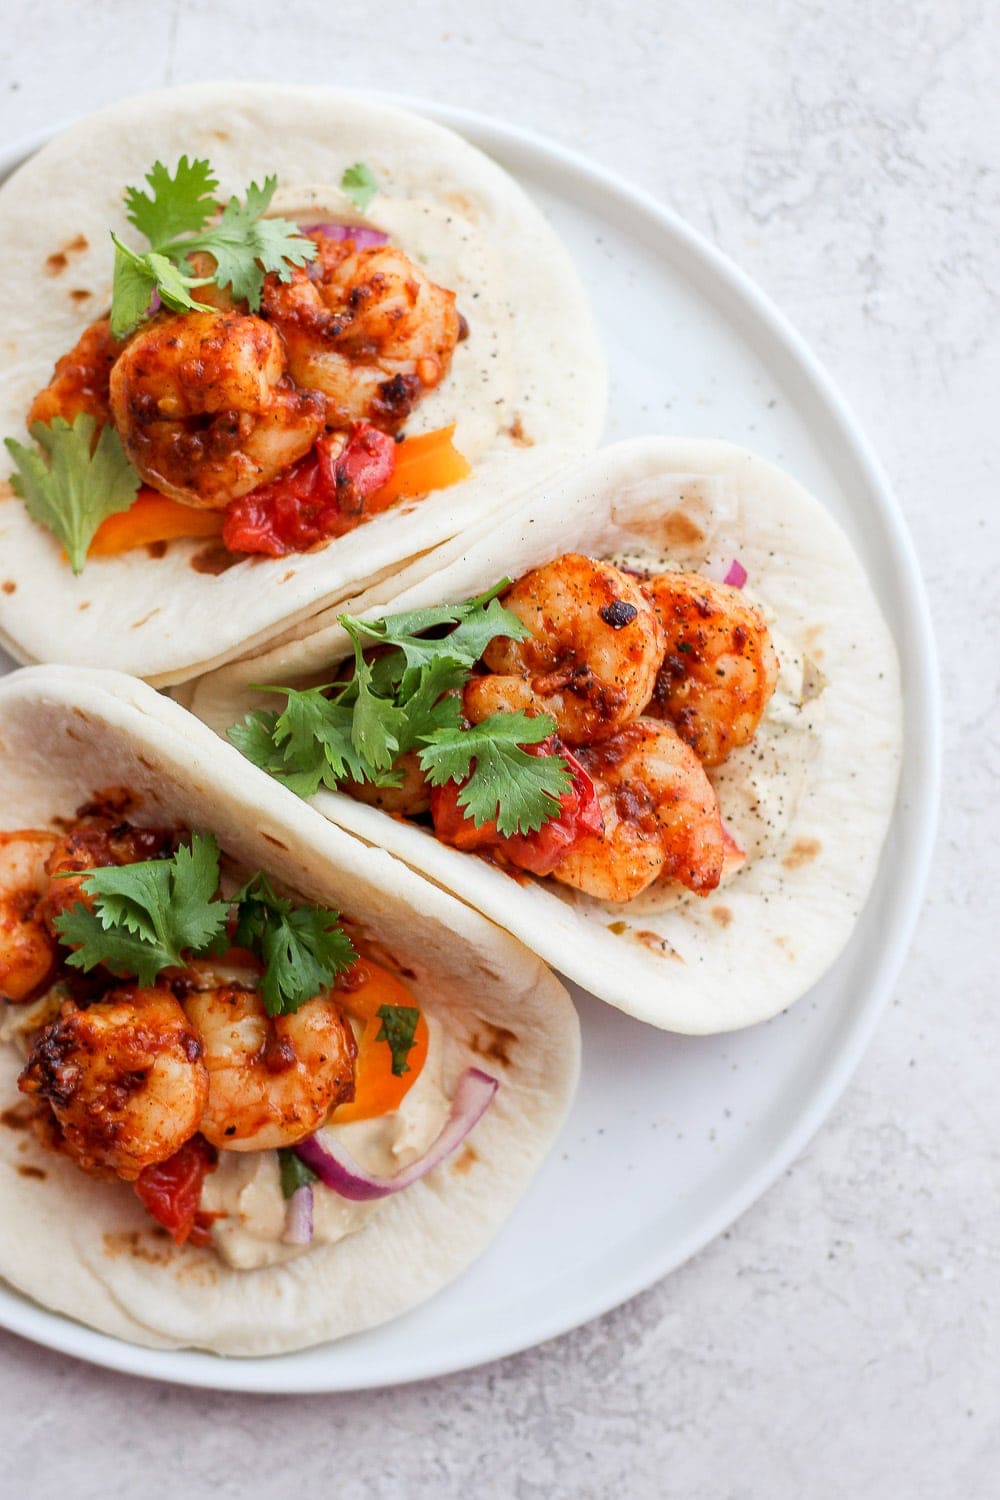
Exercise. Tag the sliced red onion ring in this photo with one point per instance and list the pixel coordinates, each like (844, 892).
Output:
(362, 235)
(299, 1217)
(338, 1170)
(737, 575)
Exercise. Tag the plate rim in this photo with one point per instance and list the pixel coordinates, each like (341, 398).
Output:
(922, 745)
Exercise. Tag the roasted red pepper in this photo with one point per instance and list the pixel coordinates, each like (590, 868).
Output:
(171, 1190)
(325, 494)
(540, 852)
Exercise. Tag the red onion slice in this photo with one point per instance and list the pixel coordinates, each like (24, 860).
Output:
(338, 1170)
(362, 235)
(299, 1217)
(737, 575)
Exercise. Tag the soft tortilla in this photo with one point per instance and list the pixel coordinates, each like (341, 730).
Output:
(159, 617)
(85, 1247)
(751, 948)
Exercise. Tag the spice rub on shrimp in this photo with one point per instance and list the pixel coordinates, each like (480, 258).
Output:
(366, 327)
(93, 843)
(719, 669)
(272, 1079)
(205, 407)
(81, 379)
(661, 818)
(124, 1079)
(27, 948)
(591, 659)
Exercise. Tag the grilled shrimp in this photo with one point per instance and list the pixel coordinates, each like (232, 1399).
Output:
(720, 667)
(124, 1078)
(80, 379)
(205, 408)
(366, 327)
(27, 950)
(661, 818)
(272, 1080)
(592, 656)
(92, 844)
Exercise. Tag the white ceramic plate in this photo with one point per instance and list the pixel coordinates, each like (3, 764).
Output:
(671, 1137)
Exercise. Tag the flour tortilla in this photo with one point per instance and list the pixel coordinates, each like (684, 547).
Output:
(755, 945)
(85, 1248)
(527, 388)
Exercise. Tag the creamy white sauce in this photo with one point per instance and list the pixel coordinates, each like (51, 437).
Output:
(246, 1185)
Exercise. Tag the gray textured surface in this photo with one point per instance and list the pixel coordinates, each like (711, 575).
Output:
(841, 1339)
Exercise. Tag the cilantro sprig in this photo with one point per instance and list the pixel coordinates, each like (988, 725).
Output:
(302, 946)
(406, 698)
(358, 182)
(147, 915)
(399, 1029)
(157, 914)
(180, 216)
(69, 483)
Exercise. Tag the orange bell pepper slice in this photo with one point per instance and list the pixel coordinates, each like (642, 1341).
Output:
(424, 463)
(152, 517)
(377, 1090)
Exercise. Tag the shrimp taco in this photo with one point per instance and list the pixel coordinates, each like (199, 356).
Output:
(259, 1086)
(264, 345)
(650, 723)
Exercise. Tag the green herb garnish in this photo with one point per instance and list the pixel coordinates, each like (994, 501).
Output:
(157, 914)
(147, 915)
(358, 182)
(406, 699)
(72, 484)
(302, 946)
(294, 1173)
(175, 219)
(399, 1028)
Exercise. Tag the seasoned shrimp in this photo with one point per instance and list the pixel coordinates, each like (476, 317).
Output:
(92, 844)
(205, 408)
(409, 799)
(661, 818)
(592, 656)
(27, 950)
(80, 380)
(124, 1079)
(720, 668)
(366, 327)
(272, 1080)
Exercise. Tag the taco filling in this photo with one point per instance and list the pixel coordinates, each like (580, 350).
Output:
(573, 724)
(252, 380)
(221, 1049)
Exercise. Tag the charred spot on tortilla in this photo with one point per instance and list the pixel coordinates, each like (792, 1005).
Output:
(26, 1170)
(18, 1116)
(214, 559)
(80, 294)
(678, 529)
(802, 852)
(58, 261)
(495, 1044)
(9, 586)
(723, 915)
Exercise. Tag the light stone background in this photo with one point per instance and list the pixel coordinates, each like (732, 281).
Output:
(842, 1339)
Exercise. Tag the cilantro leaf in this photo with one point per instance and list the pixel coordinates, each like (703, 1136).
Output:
(73, 484)
(477, 622)
(182, 204)
(302, 946)
(147, 915)
(294, 1172)
(358, 182)
(399, 1028)
(407, 698)
(246, 246)
(177, 221)
(519, 791)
